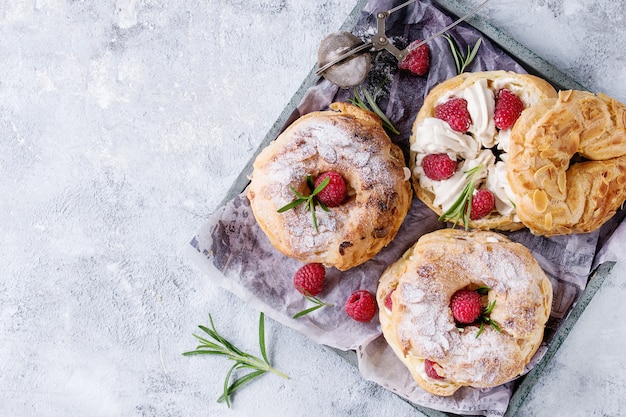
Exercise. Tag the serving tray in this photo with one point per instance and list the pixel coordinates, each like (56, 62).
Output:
(531, 63)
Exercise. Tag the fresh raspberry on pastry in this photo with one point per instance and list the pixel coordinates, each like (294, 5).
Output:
(438, 166)
(454, 112)
(508, 109)
(483, 203)
(335, 191)
(466, 306)
(389, 301)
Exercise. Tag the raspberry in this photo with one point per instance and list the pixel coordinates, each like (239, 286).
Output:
(438, 166)
(454, 111)
(388, 300)
(466, 307)
(335, 192)
(508, 109)
(361, 306)
(309, 279)
(483, 203)
(430, 370)
(417, 61)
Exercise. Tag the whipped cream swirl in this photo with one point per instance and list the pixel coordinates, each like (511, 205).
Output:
(482, 144)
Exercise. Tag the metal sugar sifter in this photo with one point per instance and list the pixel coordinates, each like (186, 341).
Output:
(340, 56)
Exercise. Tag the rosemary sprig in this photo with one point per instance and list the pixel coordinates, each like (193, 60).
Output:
(315, 300)
(461, 208)
(372, 106)
(310, 200)
(486, 320)
(462, 62)
(221, 346)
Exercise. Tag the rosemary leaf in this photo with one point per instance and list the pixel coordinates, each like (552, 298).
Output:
(495, 325)
(462, 206)
(358, 101)
(262, 337)
(315, 300)
(455, 52)
(310, 200)
(472, 54)
(297, 194)
(490, 307)
(480, 330)
(295, 203)
(482, 290)
(203, 352)
(371, 101)
(486, 320)
(307, 311)
(462, 62)
(309, 182)
(320, 187)
(312, 208)
(230, 389)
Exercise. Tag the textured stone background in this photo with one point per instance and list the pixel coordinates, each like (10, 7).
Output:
(122, 125)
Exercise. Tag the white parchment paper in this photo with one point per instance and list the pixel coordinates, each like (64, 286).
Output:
(238, 256)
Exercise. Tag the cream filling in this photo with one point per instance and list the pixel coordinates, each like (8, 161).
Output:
(442, 139)
(471, 148)
(481, 105)
(418, 365)
(498, 184)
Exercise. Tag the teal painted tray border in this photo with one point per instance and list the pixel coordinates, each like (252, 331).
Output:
(596, 280)
(533, 64)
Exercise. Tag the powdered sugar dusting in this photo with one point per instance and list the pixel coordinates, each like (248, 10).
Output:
(318, 143)
(442, 265)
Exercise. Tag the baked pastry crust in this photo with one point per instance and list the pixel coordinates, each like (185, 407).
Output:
(529, 88)
(555, 193)
(420, 324)
(352, 142)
